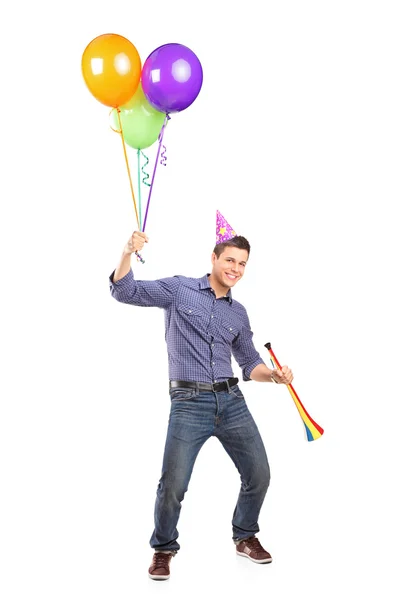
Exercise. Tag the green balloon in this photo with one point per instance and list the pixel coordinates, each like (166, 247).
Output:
(141, 123)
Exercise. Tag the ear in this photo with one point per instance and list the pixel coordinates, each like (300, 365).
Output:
(213, 258)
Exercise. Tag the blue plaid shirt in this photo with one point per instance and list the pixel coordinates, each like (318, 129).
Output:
(201, 331)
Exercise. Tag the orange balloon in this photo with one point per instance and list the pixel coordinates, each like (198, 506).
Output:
(111, 68)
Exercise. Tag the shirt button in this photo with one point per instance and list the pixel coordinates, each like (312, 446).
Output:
(230, 328)
(215, 381)
(190, 311)
(213, 363)
(212, 345)
(212, 316)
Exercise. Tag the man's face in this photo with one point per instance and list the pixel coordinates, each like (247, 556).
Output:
(230, 266)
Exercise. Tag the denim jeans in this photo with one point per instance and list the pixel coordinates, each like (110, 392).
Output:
(195, 416)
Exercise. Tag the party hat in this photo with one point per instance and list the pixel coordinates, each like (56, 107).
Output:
(224, 230)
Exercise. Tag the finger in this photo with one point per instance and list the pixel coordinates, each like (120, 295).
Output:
(287, 374)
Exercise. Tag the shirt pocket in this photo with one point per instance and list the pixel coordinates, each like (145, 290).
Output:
(229, 331)
(190, 311)
(193, 318)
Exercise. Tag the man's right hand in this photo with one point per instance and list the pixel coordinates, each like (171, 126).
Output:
(136, 242)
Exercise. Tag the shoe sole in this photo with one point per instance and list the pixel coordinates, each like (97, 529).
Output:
(159, 577)
(264, 561)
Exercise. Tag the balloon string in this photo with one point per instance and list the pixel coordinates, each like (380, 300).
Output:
(146, 176)
(127, 166)
(139, 189)
(139, 258)
(160, 139)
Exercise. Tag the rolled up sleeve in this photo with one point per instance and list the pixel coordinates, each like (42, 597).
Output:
(245, 352)
(158, 293)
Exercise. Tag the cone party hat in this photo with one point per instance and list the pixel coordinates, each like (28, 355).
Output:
(224, 231)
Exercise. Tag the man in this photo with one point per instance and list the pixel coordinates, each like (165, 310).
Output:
(204, 326)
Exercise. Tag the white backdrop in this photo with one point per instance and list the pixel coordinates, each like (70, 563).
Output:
(295, 139)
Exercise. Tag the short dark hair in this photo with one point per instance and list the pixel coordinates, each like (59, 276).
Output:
(237, 242)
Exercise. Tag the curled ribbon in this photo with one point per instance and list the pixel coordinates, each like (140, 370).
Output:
(163, 159)
(146, 176)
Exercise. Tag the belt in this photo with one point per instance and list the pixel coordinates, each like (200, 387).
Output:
(220, 386)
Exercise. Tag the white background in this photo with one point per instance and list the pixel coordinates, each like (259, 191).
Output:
(295, 139)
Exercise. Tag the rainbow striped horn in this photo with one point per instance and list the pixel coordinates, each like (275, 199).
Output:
(313, 430)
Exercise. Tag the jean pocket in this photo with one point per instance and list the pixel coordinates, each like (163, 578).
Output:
(182, 393)
(237, 392)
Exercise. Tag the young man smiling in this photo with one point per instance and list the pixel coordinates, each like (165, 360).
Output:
(204, 327)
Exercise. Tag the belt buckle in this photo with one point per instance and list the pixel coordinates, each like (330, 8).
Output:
(220, 386)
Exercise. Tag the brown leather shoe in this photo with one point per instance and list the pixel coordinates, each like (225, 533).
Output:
(159, 568)
(252, 549)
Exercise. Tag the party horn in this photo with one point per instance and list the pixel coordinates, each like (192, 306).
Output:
(313, 430)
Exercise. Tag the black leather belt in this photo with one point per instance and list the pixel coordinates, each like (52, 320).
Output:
(220, 386)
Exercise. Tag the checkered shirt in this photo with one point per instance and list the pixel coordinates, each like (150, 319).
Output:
(201, 331)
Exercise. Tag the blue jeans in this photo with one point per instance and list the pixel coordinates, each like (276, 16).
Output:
(195, 417)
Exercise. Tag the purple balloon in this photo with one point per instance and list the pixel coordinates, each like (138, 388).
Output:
(172, 77)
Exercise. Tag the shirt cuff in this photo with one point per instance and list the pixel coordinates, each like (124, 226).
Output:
(248, 368)
(122, 283)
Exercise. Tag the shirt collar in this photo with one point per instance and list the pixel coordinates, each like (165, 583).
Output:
(204, 284)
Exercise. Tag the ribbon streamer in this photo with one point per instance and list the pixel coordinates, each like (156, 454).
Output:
(313, 430)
